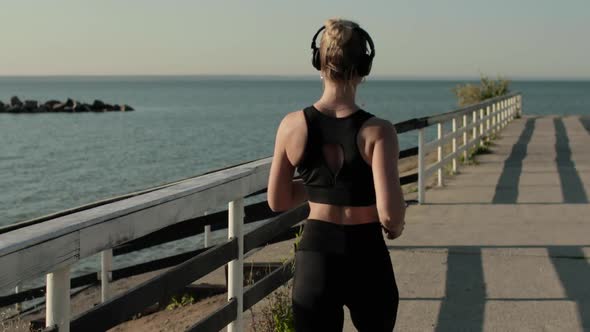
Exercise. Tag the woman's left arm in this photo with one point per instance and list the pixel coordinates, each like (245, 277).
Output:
(284, 193)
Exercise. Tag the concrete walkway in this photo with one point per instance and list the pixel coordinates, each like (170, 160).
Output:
(505, 245)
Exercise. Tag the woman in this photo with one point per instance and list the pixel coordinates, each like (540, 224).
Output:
(347, 159)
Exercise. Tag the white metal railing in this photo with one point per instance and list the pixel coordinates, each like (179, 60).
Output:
(488, 118)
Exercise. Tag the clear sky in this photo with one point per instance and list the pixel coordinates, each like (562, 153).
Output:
(414, 38)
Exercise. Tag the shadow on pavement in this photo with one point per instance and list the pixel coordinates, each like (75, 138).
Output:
(464, 302)
(574, 274)
(507, 186)
(572, 188)
(585, 120)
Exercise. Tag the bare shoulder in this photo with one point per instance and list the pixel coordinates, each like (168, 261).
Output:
(292, 122)
(377, 128)
(292, 135)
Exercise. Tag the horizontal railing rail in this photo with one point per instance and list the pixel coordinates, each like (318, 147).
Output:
(444, 117)
(51, 216)
(51, 244)
(123, 307)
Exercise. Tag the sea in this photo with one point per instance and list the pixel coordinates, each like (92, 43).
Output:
(183, 126)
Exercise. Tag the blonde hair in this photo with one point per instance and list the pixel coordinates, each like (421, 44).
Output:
(341, 48)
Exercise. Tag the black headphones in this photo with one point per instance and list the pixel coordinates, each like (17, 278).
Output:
(365, 62)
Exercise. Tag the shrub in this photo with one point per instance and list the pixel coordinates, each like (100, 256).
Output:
(469, 93)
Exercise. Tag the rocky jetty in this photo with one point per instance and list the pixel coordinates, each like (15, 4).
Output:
(55, 106)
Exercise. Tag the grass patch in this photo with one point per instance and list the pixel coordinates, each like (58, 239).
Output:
(479, 150)
(448, 169)
(276, 314)
(15, 324)
(179, 302)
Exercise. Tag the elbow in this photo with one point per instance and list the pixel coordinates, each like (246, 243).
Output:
(274, 207)
(275, 199)
(272, 204)
(277, 206)
(393, 219)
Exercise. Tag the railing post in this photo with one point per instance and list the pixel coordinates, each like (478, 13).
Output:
(498, 114)
(494, 118)
(454, 145)
(504, 114)
(421, 179)
(481, 132)
(513, 107)
(236, 266)
(488, 111)
(519, 105)
(57, 310)
(106, 266)
(508, 111)
(207, 236)
(465, 137)
(17, 306)
(474, 122)
(502, 117)
(439, 128)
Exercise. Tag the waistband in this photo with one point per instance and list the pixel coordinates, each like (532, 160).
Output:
(323, 236)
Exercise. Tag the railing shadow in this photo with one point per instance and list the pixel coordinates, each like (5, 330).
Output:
(463, 306)
(507, 187)
(572, 188)
(585, 120)
(574, 273)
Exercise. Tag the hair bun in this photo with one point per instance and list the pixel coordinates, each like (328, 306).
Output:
(341, 48)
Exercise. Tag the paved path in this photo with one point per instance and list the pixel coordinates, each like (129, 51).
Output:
(505, 245)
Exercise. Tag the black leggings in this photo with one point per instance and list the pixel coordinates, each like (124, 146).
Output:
(337, 265)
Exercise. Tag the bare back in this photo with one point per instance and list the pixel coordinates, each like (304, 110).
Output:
(369, 136)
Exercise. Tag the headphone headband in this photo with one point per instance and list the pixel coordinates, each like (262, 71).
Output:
(359, 29)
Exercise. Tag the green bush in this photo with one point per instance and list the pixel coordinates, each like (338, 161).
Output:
(469, 93)
(177, 302)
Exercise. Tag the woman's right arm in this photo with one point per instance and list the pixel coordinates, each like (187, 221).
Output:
(391, 205)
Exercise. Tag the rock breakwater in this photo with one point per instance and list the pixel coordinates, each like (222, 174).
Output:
(16, 105)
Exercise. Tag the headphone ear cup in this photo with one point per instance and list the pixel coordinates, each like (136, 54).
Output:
(315, 59)
(364, 66)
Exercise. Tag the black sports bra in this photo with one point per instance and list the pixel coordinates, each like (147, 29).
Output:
(332, 167)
